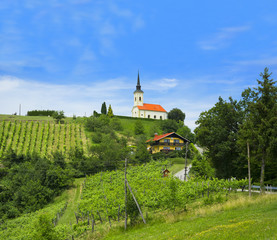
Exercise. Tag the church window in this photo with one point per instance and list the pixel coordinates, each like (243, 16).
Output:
(140, 98)
(155, 116)
(161, 117)
(135, 99)
(148, 116)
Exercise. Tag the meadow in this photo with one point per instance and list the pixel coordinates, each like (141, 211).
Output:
(93, 208)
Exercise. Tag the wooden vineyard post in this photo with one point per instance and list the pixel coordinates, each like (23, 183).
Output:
(76, 217)
(99, 216)
(249, 172)
(118, 213)
(136, 202)
(125, 188)
(92, 223)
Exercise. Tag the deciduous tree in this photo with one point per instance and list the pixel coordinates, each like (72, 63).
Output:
(177, 115)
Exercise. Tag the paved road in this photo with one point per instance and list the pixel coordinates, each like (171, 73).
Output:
(181, 174)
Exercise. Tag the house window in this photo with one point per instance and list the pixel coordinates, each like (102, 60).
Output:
(140, 98)
(178, 148)
(155, 116)
(167, 148)
(148, 116)
(161, 117)
(142, 114)
(166, 140)
(176, 140)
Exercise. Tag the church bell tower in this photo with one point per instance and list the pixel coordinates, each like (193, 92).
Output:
(138, 94)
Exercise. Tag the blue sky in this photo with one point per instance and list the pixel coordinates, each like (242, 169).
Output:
(73, 55)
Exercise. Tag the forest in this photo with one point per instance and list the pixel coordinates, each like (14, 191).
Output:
(230, 126)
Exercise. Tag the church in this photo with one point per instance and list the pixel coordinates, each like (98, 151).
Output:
(146, 110)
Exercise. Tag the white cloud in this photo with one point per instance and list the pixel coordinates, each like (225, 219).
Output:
(222, 38)
(73, 99)
(261, 62)
(161, 84)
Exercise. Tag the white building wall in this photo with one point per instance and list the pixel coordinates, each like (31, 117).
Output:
(138, 98)
(135, 112)
(148, 114)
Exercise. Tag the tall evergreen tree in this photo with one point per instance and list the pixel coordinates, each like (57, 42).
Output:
(110, 111)
(104, 108)
(260, 127)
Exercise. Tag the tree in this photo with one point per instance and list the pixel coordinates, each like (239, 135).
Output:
(177, 115)
(139, 128)
(110, 111)
(170, 125)
(218, 131)
(260, 126)
(44, 229)
(104, 108)
(186, 133)
(201, 167)
(142, 155)
(58, 115)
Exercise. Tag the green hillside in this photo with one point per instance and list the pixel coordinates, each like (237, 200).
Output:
(104, 143)
(173, 210)
(26, 136)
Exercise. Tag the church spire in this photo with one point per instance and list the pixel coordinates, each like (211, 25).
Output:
(138, 83)
(138, 88)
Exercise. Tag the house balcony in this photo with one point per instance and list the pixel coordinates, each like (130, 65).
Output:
(166, 144)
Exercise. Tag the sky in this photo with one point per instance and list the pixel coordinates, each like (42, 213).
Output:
(73, 55)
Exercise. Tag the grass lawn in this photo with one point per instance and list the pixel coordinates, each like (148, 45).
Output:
(242, 218)
(150, 126)
(178, 164)
(73, 196)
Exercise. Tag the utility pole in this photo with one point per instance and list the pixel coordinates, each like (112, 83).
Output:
(19, 110)
(185, 177)
(249, 172)
(125, 193)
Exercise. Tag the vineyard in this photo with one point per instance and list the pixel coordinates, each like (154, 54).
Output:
(102, 199)
(103, 194)
(24, 226)
(42, 137)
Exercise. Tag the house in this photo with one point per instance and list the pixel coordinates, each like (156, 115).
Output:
(146, 110)
(166, 142)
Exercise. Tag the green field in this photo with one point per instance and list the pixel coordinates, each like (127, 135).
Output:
(201, 210)
(26, 135)
(241, 218)
(150, 126)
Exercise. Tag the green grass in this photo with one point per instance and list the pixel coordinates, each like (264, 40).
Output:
(73, 196)
(150, 126)
(178, 164)
(242, 218)
(24, 118)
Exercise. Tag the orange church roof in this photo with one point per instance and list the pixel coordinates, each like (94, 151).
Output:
(152, 107)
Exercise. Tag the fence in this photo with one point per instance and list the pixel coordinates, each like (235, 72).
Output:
(268, 188)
